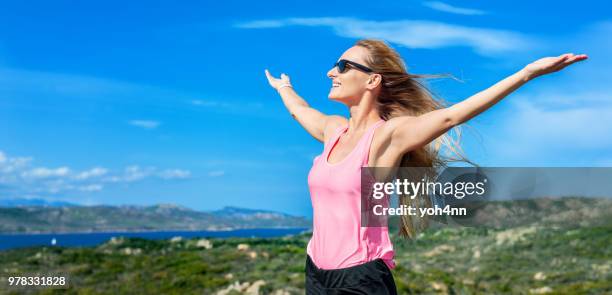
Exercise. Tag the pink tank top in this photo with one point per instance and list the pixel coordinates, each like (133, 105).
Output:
(338, 240)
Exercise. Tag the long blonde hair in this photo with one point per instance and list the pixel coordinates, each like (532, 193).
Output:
(403, 93)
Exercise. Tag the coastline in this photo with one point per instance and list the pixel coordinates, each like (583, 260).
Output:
(129, 231)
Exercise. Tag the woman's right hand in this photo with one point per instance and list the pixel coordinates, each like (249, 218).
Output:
(315, 122)
(275, 82)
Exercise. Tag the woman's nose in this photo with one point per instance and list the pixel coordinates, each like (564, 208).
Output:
(332, 73)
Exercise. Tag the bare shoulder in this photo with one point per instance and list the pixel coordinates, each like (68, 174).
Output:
(383, 135)
(394, 123)
(384, 150)
(333, 123)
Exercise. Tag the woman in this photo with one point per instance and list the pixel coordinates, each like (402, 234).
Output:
(394, 121)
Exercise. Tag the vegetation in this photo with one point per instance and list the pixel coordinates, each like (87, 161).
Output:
(566, 257)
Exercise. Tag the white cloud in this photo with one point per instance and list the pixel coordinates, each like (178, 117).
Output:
(174, 174)
(553, 123)
(532, 134)
(18, 177)
(146, 124)
(113, 178)
(91, 188)
(577, 127)
(134, 173)
(441, 6)
(92, 173)
(46, 172)
(12, 164)
(564, 118)
(413, 33)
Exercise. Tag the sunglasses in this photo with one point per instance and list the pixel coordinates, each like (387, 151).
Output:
(344, 65)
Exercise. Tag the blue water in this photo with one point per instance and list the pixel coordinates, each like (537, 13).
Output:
(10, 241)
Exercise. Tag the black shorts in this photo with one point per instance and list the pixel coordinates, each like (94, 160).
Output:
(373, 277)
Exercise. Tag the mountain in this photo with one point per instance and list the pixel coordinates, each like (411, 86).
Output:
(542, 211)
(545, 211)
(99, 218)
(34, 202)
(248, 214)
(494, 214)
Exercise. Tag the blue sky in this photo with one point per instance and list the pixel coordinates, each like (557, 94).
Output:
(152, 102)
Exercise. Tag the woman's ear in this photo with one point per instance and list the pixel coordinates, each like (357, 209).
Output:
(374, 81)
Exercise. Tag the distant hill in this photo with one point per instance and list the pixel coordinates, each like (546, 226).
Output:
(565, 211)
(543, 211)
(248, 214)
(72, 218)
(34, 202)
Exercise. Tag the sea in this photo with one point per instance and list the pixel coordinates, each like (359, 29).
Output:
(12, 241)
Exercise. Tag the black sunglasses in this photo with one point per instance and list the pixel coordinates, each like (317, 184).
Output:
(342, 66)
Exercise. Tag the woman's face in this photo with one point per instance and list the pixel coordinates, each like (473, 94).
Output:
(348, 87)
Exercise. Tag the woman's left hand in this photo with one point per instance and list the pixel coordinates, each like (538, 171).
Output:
(549, 65)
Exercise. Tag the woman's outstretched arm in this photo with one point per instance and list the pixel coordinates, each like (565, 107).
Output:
(315, 122)
(411, 132)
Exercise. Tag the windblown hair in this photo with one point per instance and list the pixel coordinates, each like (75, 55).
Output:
(403, 94)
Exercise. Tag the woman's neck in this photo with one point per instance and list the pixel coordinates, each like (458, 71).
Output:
(363, 114)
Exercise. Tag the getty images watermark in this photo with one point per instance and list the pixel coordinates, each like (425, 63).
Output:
(420, 192)
(467, 196)
(404, 188)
